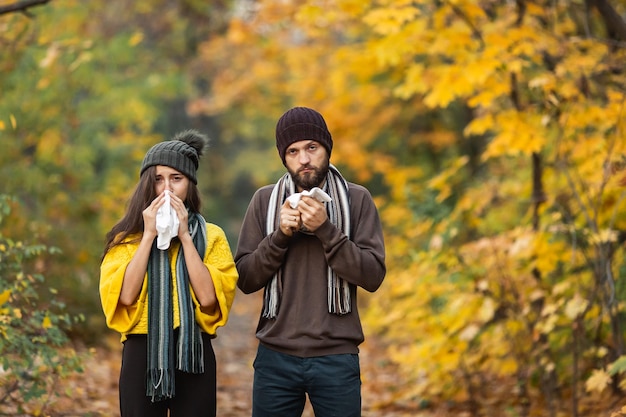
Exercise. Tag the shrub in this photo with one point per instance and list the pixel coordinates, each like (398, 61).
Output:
(35, 352)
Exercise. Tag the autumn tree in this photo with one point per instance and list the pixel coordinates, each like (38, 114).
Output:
(87, 88)
(493, 135)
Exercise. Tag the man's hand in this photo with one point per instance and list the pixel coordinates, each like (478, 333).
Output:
(312, 213)
(289, 219)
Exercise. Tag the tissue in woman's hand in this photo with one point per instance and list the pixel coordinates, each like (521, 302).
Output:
(166, 223)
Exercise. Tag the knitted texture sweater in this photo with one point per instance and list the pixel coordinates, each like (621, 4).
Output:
(303, 326)
(133, 319)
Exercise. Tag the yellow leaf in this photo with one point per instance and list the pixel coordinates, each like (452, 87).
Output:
(450, 84)
(480, 125)
(598, 381)
(136, 39)
(603, 236)
(387, 21)
(13, 121)
(575, 307)
(546, 326)
(519, 133)
(469, 332)
(47, 323)
(4, 297)
(487, 310)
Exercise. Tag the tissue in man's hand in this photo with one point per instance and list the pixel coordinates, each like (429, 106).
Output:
(166, 223)
(315, 192)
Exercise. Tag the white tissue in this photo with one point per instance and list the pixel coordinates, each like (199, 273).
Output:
(166, 223)
(315, 192)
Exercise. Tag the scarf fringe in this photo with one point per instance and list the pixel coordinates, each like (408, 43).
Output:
(161, 385)
(271, 300)
(338, 296)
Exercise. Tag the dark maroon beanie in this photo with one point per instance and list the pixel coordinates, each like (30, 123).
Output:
(301, 123)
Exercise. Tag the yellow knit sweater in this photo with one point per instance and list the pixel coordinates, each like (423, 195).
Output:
(133, 319)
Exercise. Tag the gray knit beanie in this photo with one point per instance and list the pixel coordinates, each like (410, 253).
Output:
(182, 153)
(301, 123)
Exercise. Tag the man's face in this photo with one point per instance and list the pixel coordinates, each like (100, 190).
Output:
(307, 162)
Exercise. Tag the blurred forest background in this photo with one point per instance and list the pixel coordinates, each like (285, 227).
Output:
(491, 133)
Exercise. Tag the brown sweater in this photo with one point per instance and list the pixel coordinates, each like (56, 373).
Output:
(303, 326)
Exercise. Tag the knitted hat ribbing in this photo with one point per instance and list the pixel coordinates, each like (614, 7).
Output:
(177, 153)
(301, 123)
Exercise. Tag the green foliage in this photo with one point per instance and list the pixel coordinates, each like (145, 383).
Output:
(34, 347)
(87, 88)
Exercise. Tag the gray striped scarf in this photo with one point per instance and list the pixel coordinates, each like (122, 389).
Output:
(161, 361)
(338, 214)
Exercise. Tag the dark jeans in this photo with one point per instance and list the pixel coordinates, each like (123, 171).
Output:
(195, 393)
(281, 383)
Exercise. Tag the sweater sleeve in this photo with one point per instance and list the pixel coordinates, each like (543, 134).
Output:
(359, 259)
(119, 317)
(258, 256)
(219, 260)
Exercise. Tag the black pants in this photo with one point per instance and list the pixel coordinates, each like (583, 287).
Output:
(195, 393)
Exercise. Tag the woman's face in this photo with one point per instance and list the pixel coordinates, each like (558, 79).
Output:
(167, 178)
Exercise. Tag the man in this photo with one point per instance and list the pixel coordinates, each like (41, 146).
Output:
(309, 259)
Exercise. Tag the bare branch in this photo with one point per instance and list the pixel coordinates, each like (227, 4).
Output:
(21, 6)
(615, 24)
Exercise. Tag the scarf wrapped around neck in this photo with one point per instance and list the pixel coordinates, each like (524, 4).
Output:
(161, 360)
(338, 214)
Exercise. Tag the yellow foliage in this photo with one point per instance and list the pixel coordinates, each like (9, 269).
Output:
(5, 296)
(136, 38)
(49, 146)
(442, 182)
(484, 287)
(387, 21)
(449, 85)
(598, 381)
(518, 133)
(575, 307)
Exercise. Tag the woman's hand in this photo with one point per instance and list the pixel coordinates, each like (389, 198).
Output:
(181, 212)
(149, 216)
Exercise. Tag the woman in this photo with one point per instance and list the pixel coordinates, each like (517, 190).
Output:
(167, 302)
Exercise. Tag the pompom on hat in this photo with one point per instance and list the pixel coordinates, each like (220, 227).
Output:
(182, 153)
(301, 123)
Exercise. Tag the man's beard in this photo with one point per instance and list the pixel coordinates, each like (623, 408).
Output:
(308, 180)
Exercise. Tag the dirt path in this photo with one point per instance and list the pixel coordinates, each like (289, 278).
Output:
(235, 349)
(95, 392)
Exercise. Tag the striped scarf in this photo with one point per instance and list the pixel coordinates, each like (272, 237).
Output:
(161, 367)
(339, 215)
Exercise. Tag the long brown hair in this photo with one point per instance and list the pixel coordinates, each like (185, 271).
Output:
(144, 194)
